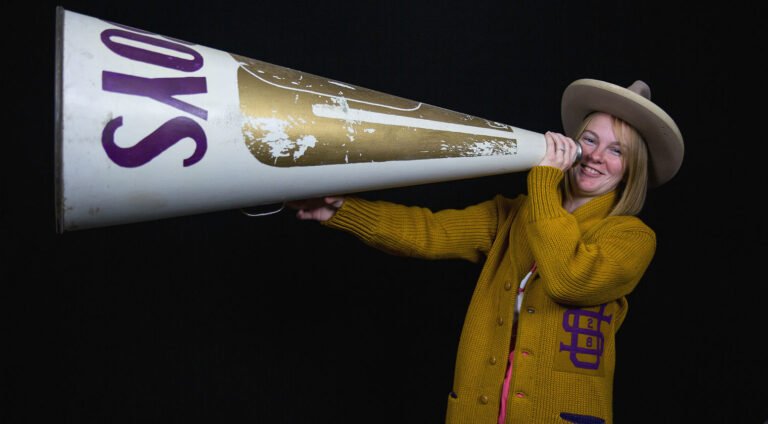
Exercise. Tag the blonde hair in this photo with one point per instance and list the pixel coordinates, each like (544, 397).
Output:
(634, 183)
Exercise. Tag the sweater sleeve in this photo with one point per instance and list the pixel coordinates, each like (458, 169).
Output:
(418, 232)
(583, 269)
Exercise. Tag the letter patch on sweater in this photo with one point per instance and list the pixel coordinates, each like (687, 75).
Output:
(581, 341)
(581, 419)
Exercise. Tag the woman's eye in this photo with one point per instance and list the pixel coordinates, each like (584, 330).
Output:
(588, 140)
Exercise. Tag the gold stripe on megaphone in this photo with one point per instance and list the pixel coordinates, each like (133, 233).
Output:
(150, 127)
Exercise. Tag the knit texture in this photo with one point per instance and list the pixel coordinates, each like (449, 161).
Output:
(587, 263)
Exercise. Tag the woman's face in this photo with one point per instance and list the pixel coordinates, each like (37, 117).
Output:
(601, 168)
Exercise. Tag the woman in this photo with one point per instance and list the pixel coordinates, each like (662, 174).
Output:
(538, 342)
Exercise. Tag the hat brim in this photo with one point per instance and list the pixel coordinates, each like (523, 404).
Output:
(661, 135)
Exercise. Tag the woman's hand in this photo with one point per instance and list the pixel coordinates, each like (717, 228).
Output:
(562, 151)
(319, 209)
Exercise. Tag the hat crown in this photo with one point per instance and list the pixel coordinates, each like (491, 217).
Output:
(641, 88)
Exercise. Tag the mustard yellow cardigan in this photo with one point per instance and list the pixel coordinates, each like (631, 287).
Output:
(587, 262)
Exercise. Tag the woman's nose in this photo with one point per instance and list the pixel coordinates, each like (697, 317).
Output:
(596, 155)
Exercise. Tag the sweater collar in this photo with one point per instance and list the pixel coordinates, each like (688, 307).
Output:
(595, 209)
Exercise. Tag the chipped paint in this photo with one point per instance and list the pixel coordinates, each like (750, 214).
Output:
(481, 148)
(359, 115)
(317, 93)
(290, 124)
(491, 148)
(271, 132)
(303, 144)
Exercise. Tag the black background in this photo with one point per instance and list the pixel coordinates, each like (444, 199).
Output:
(223, 318)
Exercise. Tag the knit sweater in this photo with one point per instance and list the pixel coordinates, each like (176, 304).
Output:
(587, 263)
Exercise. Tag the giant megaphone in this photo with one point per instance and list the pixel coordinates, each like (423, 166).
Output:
(150, 127)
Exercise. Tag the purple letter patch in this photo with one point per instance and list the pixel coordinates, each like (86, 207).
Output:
(587, 340)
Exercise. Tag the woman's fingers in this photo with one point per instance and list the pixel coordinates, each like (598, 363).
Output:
(318, 209)
(561, 151)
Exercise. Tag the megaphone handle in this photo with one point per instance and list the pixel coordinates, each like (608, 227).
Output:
(252, 215)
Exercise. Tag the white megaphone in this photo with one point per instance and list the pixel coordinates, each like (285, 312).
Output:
(150, 127)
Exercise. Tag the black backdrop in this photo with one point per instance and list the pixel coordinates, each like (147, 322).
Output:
(223, 318)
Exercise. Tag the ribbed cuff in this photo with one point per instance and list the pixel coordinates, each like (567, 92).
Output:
(357, 216)
(544, 192)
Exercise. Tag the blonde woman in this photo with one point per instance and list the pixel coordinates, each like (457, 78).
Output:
(538, 342)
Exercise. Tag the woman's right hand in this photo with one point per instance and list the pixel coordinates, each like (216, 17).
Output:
(318, 209)
(562, 152)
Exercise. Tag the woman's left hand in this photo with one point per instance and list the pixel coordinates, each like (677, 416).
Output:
(561, 153)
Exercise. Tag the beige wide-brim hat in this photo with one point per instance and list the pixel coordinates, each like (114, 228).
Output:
(633, 105)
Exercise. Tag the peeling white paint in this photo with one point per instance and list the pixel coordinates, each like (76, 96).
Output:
(481, 148)
(342, 103)
(272, 133)
(358, 115)
(491, 148)
(370, 130)
(303, 144)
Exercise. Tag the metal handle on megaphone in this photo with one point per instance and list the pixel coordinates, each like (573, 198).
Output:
(260, 214)
(150, 127)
